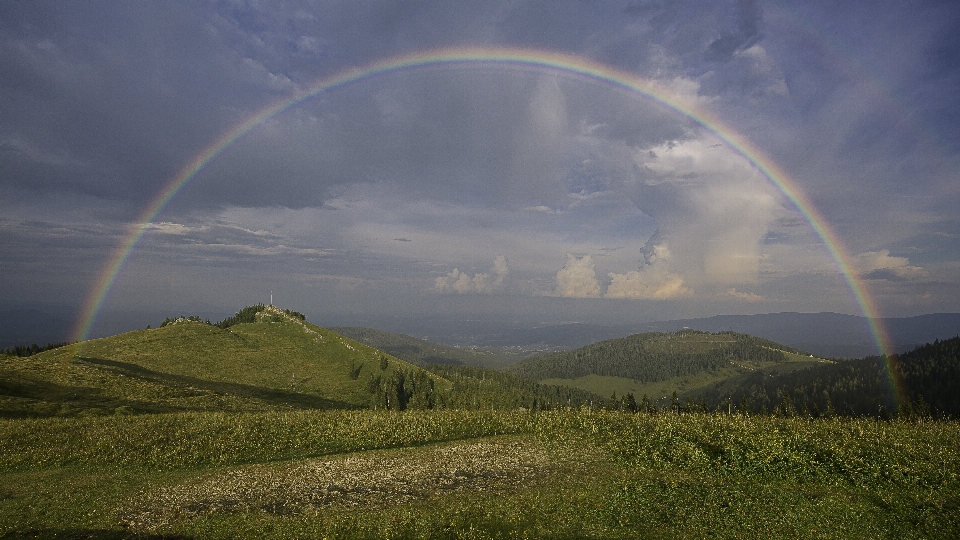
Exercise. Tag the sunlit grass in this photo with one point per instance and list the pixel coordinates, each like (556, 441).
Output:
(600, 474)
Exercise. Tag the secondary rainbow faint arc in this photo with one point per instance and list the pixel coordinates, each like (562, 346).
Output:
(515, 58)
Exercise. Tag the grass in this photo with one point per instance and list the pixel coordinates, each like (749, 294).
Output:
(192, 366)
(660, 392)
(657, 350)
(560, 474)
(192, 431)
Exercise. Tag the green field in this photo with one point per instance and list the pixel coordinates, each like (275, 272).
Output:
(461, 474)
(271, 427)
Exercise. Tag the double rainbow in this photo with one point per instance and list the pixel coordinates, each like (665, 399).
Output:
(501, 58)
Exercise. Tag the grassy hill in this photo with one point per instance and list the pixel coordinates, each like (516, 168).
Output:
(658, 363)
(277, 362)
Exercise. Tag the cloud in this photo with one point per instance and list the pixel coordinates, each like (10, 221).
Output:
(653, 281)
(879, 265)
(542, 209)
(752, 75)
(399, 175)
(578, 278)
(165, 227)
(750, 298)
(479, 283)
(712, 210)
(744, 32)
(646, 285)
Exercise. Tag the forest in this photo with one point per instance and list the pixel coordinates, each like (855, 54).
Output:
(927, 379)
(653, 356)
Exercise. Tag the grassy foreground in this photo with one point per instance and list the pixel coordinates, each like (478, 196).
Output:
(460, 474)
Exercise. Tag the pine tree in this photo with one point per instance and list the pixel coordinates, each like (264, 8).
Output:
(905, 411)
(828, 411)
(786, 408)
(629, 402)
(645, 404)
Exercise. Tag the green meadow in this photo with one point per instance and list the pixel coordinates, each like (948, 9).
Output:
(271, 427)
(477, 474)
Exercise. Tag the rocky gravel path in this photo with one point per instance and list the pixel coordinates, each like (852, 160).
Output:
(373, 478)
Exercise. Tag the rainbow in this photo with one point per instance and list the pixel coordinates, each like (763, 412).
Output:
(564, 65)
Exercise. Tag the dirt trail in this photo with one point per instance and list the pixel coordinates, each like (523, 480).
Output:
(374, 478)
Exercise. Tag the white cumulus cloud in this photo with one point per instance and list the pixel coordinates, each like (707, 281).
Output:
(748, 297)
(653, 281)
(479, 283)
(881, 266)
(712, 210)
(646, 285)
(578, 278)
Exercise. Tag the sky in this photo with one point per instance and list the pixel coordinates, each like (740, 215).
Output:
(480, 191)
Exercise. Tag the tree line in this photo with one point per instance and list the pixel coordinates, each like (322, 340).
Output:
(917, 384)
(472, 388)
(479, 388)
(32, 349)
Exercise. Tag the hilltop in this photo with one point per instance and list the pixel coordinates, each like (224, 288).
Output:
(656, 364)
(262, 359)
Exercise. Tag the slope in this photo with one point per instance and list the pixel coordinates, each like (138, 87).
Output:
(929, 377)
(657, 363)
(277, 362)
(475, 385)
(418, 351)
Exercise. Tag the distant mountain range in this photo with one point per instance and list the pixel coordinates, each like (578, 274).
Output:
(265, 358)
(828, 334)
(824, 334)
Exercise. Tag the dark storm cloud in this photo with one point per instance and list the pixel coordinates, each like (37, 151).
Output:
(112, 101)
(737, 34)
(121, 93)
(395, 180)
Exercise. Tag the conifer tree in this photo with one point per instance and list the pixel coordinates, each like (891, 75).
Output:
(645, 404)
(786, 408)
(629, 403)
(828, 411)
